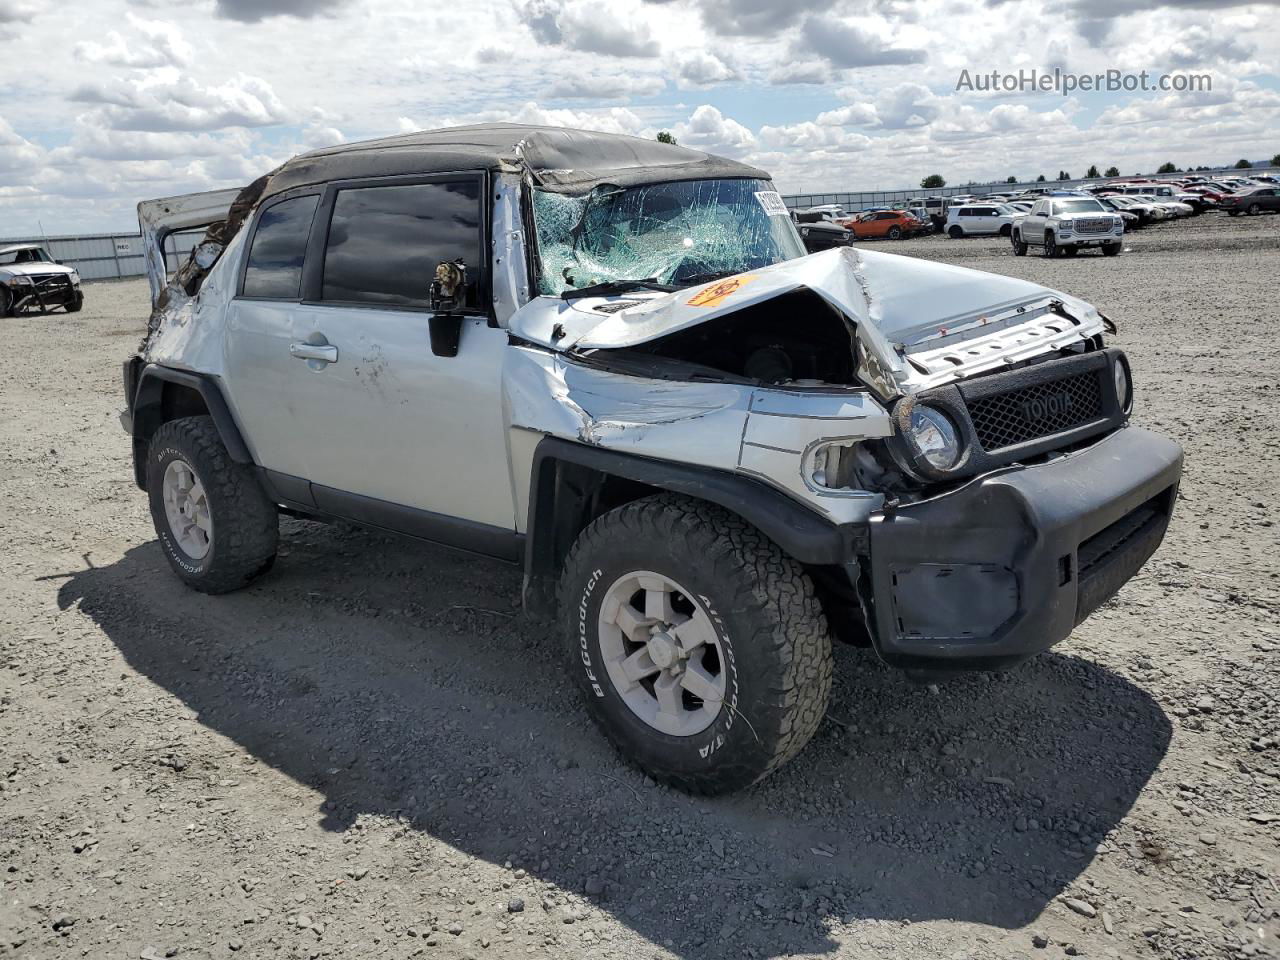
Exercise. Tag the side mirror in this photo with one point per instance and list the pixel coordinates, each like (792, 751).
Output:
(448, 291)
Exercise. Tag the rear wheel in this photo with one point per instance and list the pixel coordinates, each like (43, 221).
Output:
(1254, 209)
(895, 233)
(700, 647)
(217, 527)
(1006, 230)
(955, 232)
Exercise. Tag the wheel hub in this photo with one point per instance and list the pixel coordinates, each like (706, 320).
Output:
(186, 508)
(663, 650)
(662, 653)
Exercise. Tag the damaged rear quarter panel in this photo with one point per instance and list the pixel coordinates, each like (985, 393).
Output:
(752, 430)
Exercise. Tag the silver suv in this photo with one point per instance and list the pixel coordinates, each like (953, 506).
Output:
(1066, 225)
(608, 360)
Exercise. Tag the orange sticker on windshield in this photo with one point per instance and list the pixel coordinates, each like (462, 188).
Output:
(717, 293)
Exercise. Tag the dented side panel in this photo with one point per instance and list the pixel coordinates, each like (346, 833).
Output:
(757, 431)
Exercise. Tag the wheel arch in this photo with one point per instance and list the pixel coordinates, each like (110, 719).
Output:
(163, 394)
(571, 484)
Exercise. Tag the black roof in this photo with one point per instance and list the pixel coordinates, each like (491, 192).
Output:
(558, 158)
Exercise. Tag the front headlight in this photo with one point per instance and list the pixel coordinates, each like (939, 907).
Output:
(934, 437)
(22, 278)
(1124, 388)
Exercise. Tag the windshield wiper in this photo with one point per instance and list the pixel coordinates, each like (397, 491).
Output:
(607, 287)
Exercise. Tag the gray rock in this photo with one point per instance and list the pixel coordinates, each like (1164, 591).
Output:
(1082, 907)
(1039, 941)
(515, 905)
(594, 886)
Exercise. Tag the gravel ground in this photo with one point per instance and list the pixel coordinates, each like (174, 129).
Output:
(370, 754)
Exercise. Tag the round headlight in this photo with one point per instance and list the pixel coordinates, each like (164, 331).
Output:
(934, 437)
(1124, 389)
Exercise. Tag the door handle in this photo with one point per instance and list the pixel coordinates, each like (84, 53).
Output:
(323, 352)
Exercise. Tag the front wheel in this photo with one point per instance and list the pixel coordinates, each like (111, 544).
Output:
(217, 527)
(76, 303)
(1254, 209)
(1071, 251)
(955, 232)
(1019, 245)
(6, 303)
(1050, 245)
(700, 647)
(1111, 249)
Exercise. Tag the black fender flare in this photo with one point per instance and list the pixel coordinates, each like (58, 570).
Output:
(566, 476)
(146, 415)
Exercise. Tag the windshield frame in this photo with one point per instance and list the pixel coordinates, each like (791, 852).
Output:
(536, 260)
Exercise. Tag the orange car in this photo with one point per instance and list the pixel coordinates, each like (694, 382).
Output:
(893, 224)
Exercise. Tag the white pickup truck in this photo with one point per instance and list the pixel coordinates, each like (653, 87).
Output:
(1067, 225)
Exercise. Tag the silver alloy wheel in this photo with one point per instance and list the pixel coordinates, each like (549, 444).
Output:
(662, 653)
(187, 509)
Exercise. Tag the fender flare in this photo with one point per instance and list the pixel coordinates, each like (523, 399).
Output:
(565, 476)
(146, 414)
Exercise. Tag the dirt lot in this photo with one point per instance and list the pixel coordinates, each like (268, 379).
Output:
(370, 754)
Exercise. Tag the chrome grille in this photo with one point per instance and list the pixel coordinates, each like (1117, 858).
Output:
(1093, 225)
(1018, 416)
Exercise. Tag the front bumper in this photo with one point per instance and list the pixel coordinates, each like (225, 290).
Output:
(1007, 565)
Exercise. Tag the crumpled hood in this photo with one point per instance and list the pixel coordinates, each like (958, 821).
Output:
(31, 269)
(898, 296)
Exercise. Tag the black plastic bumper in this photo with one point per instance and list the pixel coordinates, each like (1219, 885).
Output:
(1008, 565)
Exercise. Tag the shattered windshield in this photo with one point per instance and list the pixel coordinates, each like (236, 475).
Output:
(674, 233)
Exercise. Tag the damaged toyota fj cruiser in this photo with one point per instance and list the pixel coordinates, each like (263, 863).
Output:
(610, 361)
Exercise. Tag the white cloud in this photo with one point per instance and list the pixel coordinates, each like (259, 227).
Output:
(848, 46)
(603, 85)
(708, 129)
(702, 69)
(17, 154)
(591, 26)
(160, 44)
(165, 101)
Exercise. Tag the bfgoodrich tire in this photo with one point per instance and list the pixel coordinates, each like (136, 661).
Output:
(217, 528)
(700, 647)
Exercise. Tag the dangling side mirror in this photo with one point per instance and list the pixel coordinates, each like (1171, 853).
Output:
(447, 297)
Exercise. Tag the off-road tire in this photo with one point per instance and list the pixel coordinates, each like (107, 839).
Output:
(1019, 245)
(768, 621)
(1111, 249)
(75, 305)
(955, 231)
(245, 522)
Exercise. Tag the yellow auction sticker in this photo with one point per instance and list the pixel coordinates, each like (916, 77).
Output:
(717, 293)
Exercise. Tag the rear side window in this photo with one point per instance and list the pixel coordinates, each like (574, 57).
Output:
(386, 242)
(274, 270)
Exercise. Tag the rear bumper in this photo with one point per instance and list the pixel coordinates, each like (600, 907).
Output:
(1009, 564)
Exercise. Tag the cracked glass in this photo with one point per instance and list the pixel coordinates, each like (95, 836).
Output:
(678, 233)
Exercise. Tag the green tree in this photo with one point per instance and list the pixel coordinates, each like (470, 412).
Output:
(1092, 172)
(1015, 179)
(933, 181)
(665, 137)
(1040, 179)
(1112, 172)
(1063, 175)
(1275, 161)
(1167, 168)
(1243, 164)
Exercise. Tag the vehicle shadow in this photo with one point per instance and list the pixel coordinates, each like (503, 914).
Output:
(395, 679)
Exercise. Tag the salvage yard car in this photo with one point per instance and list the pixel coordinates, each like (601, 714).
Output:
(30, 279)
(979, 219)
(884, 225)
(610, 361)
(1066, 225)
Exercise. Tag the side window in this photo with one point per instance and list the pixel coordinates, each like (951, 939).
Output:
(966, 212)
(386, 242)
(274, 269)
(1041, 209)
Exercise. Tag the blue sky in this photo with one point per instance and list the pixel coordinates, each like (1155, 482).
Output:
(131, 99)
